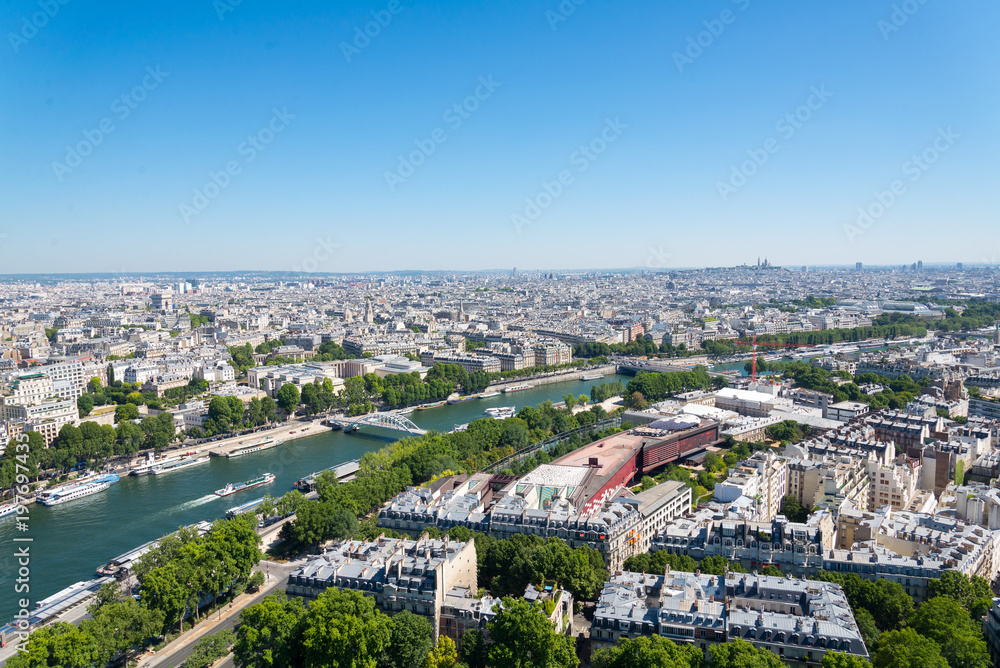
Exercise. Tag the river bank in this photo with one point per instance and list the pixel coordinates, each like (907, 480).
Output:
(555, 377)
(71, 540)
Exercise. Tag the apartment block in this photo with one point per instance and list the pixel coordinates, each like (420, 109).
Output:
(400, 574)
(797, 620)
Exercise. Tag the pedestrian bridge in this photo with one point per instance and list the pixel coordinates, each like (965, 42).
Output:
(384, 420)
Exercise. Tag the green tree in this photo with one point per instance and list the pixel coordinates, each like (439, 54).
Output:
(255, 412)
(341, 524)
(973, 593)
(741, 654)
(868, 628)
(887, 602)
(793, 510)
(947, 623)
(310, 525)
(164, 590)
(444, 654)
(514, 434)
(410, 640)
(219, 411)
(237, 540)
(120, 626)
(288, 398)
(772, 570)
(269, 633)
(127, 412)
(269, 408)
(343, 629)
(843, 660)
(474, 649)
(523, 637)
(907, 649)
(85, 404)
(653, 652)
(210, 649)
(60, 645)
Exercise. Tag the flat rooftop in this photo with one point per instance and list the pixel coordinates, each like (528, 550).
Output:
(609, 452)
(555, 476)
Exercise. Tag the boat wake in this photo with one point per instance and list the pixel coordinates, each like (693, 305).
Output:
(193, 503)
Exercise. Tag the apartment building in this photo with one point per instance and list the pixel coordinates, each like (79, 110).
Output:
(986, 407)
(893, 486)
(792, 547)
(470, 363)
(991, 631)
(400, 574)
(846, 411)
(46, 417)
(761, 479)
(502, 507)
(797, 620)
(913, 548)
(748, 402)
(829, 481)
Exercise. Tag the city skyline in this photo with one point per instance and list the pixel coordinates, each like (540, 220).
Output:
(227, 136)
(299, 275)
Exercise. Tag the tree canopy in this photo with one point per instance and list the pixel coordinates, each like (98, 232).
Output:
(652, 652)
(522, 637)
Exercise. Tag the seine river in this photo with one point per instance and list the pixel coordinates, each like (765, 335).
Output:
(72, 540)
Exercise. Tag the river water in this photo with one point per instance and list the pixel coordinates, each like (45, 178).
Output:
(71, 540)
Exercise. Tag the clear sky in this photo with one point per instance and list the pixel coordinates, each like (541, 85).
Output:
(599, 134)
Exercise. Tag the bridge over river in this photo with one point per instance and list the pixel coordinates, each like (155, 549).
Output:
(384, 420)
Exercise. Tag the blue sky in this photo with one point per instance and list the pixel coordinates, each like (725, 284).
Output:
(667, 121)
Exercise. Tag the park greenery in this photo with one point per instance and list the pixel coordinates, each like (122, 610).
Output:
(210, 649)
(243, 356)
(895, 395)
(657, 562)
(977, 314)
(184, 575)
(344, 628)
(943, 631)
(506, 567)
(641, 347)
(604, 391)
(654, 386)
(94, 444)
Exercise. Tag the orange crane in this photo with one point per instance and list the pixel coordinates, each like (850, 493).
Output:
(754, 344)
